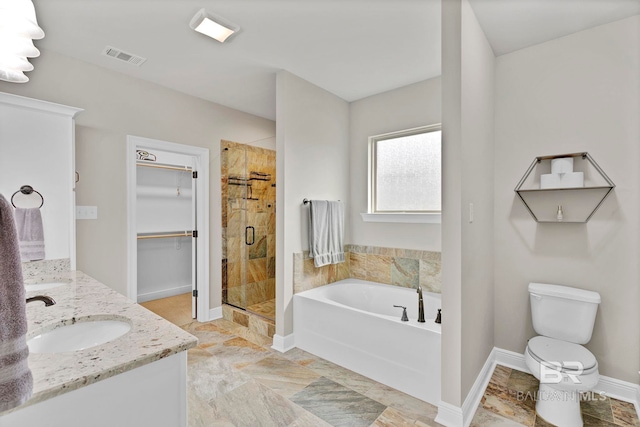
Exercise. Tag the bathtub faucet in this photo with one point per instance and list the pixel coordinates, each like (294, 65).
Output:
(405, 318)
(420, 306)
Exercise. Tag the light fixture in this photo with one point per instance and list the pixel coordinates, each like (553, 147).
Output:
(213, 26)
(18, 29)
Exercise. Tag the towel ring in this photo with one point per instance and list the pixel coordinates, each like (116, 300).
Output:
(27, 189)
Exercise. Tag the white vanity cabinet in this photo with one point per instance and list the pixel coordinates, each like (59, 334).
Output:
(37, 148)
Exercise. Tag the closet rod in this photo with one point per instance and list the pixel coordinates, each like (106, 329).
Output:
(175, 168)
(161, 236)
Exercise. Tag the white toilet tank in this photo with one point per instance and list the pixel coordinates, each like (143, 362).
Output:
(562, 312)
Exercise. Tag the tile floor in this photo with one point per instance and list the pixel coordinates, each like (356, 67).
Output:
(236, 379)
(507, 402)
(266, 308)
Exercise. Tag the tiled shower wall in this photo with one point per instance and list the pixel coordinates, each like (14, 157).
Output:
(400, 267)
(248, 199)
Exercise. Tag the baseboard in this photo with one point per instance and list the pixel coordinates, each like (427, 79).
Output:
(449, 415)
(215, 313)
(165, 293)
(618, 389)
(283, 343)
(452, 416)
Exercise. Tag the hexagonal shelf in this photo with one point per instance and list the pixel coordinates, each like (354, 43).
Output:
(564, 188)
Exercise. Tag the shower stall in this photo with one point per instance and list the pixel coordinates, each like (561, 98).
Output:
(248, 228)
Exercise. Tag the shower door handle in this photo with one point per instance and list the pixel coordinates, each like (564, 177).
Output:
(246, 235)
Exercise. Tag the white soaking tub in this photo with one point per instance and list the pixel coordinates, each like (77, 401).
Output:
(353, 323)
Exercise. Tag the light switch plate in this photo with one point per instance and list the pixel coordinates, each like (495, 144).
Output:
(86, 212)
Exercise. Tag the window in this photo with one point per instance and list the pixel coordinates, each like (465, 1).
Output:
(405, 172)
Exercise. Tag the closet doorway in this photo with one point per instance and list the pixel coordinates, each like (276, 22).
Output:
(168, 227)
(248, 228)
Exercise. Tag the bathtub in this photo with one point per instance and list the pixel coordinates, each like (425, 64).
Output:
(353, 323)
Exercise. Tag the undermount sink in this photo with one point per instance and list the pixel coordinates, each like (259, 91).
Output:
(29, 287)
(78, 336)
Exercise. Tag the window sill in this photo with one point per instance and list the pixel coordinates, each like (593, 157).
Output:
(408, 218)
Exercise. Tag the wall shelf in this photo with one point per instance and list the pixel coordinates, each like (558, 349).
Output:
(577, 204)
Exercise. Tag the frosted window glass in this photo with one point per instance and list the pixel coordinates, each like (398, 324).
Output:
(408, 173)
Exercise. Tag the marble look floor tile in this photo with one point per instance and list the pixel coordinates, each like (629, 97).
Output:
(201, 414)
(213, 377)
(522, 382)
(196, 355)
(485, 418)
(501, 375)
(245, 333)
(238, 352)
(394, 418)
(598, 408)
(409, 406)
(253, 404)
(590, 421)
(342, 375)
(499, 400)
(624, 413)
(208, 334)
(309, 420)
(301, 357)
(281, 375)
(540, 422)
(337, 404)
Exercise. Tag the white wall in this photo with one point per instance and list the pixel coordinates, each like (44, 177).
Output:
(116, 106)
(408, 107)
(312, 162)
(576, 93)
(467, 246)
(36, 146)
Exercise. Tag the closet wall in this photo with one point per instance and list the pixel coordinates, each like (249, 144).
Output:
(165, 204)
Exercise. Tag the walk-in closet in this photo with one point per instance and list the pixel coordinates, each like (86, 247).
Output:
(166, 200)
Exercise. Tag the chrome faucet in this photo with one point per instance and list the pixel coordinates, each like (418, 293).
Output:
(48, 301)
(420, 306)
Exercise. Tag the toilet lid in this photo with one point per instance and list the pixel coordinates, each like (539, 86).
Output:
(545, 349)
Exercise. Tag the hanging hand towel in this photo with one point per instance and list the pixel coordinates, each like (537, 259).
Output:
(326, 232)
(30, 233)
(16, 382)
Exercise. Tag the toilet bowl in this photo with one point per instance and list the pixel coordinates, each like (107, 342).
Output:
(564, 318)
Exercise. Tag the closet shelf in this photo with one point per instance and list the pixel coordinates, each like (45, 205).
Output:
(164, 234)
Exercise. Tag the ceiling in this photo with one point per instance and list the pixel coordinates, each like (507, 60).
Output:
(352, 48)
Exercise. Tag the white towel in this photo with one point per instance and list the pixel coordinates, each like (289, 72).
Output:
(30, 233)
(16, 382)
(326, 232)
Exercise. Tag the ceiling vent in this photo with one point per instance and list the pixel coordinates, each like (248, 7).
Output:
(123, 56)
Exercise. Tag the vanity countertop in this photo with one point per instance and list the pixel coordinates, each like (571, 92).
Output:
(83, 298)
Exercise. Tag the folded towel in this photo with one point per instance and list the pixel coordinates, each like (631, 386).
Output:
(16, 382)
(30, 233)
(326, 232)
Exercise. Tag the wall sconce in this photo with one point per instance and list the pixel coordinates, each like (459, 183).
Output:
(18, 29)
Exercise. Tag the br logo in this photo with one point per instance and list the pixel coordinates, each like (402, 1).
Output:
(558, 372)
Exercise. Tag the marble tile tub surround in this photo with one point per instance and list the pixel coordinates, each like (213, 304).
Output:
(400, 267)
(151, 337)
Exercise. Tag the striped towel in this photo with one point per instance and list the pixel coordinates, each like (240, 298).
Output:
(16, 382)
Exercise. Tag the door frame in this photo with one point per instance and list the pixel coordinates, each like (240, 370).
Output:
(202, 212)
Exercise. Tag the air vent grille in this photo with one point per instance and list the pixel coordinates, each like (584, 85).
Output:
(123, 56)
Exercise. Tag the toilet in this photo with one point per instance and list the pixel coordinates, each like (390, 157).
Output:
(564, 318)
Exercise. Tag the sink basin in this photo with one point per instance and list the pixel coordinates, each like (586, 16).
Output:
(78, 336)
(29, 287)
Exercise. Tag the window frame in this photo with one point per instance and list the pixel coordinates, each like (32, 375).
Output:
(372, 214)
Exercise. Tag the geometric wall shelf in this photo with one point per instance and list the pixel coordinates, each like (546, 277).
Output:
(564, 188)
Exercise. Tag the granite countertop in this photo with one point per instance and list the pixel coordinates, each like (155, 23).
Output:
(83, 298)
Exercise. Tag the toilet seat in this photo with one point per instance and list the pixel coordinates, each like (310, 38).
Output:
(544, 350)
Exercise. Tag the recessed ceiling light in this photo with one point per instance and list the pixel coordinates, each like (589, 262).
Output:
(213, 26)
